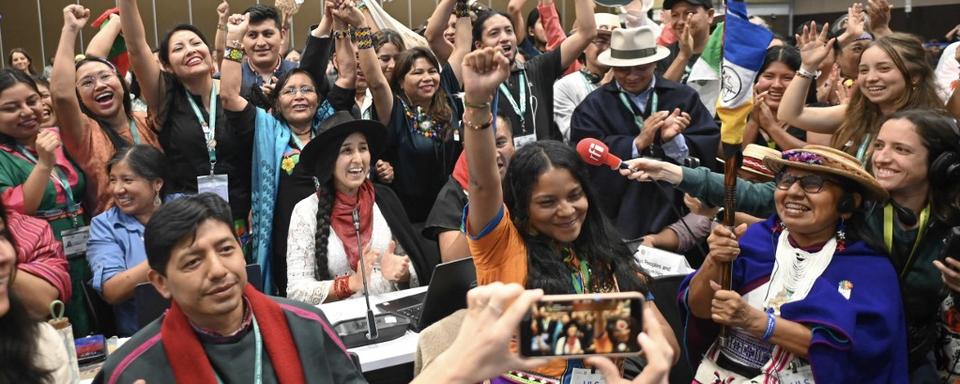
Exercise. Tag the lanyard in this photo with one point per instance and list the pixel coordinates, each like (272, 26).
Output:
(888, 233)
(209, 129)
(58, 177)
(257, 357)
(133, 131)
(862, 151)
(586, 82)
(636, 116)
(521, 110)
(580, 278)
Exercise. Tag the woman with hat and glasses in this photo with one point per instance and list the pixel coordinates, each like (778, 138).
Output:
(96, 118)
(323, 248)
(810, 300)
(297, 109)
(540, 226)
(915, 158)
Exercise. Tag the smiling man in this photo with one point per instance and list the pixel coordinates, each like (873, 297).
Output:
(219, 328)
(262, 44)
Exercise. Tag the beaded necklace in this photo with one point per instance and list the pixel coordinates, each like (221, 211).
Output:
(422, 123)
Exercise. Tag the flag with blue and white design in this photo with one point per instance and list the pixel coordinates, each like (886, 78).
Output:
(744, 46)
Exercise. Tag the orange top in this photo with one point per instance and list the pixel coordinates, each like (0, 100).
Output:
(94, 151)
(500, 254)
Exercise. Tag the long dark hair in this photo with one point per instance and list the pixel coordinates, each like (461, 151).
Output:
(116, 140)
(326, 194)
(175, 87)
(477, 29)
(18, 332)
(599, 242)
(939, 134)
(10, 77)
(439, 108)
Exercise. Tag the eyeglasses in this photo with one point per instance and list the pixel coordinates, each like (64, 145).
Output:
(88, 82)
(304, 90)
(809, 183)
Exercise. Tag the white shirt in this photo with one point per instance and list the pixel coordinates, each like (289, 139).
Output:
(568, 92)
(947, 71)
(302, 284)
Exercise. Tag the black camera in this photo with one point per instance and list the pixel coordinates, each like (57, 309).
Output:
(951, 245)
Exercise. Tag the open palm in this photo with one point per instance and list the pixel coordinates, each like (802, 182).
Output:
(814, 47)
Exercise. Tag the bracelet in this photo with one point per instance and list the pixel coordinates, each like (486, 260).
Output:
(236, 44)
(462, 9)
(234, 54)
(771, 324)
(478, 127)
(807, 74)
(341, 287)
(485, 105)
(340, 34)
(363, 37)
(361, 5)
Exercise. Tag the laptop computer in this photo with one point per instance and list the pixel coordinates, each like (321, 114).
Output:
(446, 294)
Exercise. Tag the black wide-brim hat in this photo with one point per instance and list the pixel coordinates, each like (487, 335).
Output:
(320, 154)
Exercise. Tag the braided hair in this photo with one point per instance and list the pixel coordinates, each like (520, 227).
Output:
(324, 208)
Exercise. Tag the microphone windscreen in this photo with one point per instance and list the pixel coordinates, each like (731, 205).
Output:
(595, 152)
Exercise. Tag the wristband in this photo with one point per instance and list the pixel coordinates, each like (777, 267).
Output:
(462, 9)
(340, 34)
(468, 104)
(478, 127)
(363, 37)
(341, 287)
(236, 44)
(771, 325)
(361, 5)
(234, 54)
(807, 74)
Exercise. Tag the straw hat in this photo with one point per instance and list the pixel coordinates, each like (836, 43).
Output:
(821, 159)
(753, 156)
(630, 47)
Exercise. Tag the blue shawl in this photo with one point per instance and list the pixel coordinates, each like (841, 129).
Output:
(862, 339)
(271, 140)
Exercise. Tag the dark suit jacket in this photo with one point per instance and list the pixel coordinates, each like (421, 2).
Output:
(638, 208)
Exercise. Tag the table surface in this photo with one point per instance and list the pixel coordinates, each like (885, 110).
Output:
(381, 355)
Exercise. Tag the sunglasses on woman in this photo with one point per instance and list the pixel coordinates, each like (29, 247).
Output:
(809, 183)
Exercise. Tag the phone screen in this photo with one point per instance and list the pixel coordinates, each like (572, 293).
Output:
(579, 325)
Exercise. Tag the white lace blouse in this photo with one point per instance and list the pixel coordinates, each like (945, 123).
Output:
(302, 284)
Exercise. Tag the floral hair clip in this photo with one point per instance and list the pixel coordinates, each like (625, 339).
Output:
(803, 157)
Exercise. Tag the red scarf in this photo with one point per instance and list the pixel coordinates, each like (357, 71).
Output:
(461, 173)
(190, 364)
(341, 219)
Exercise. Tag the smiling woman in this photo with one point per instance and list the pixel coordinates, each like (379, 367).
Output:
(94, 106)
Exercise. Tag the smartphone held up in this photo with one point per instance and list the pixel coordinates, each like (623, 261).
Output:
(575, 326)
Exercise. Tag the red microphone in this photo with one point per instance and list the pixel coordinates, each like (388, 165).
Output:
(595, 152)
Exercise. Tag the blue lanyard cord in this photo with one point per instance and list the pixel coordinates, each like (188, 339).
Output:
(638, 118)
(209, 129)
(133, 132)
(257, 357)
(521, 109)
(58, 177)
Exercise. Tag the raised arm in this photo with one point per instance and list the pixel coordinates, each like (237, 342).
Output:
(793, 110)
(573, 46)
(346, 65)
(63, 79)
(879, 13)
(515, 11)
(102, 42)
(463, 44)
(231, 72)
(144, 65)
(436, 24)
(685, 43)
(483, 71)
(220, 41)
(369, 62)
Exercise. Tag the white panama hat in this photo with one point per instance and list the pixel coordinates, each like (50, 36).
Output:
(630, 47)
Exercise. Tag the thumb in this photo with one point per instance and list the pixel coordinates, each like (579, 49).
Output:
(391, 247)
(740, 229)
(611, 374)
(715, 286)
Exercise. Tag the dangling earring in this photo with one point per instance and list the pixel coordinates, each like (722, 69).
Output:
(841, 236)
(156, 200)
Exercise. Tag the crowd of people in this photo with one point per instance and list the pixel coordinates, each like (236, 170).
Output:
(179, 164)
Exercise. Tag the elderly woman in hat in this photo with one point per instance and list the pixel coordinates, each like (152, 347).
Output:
(323, 247)
(640, 113)
(809, 299)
